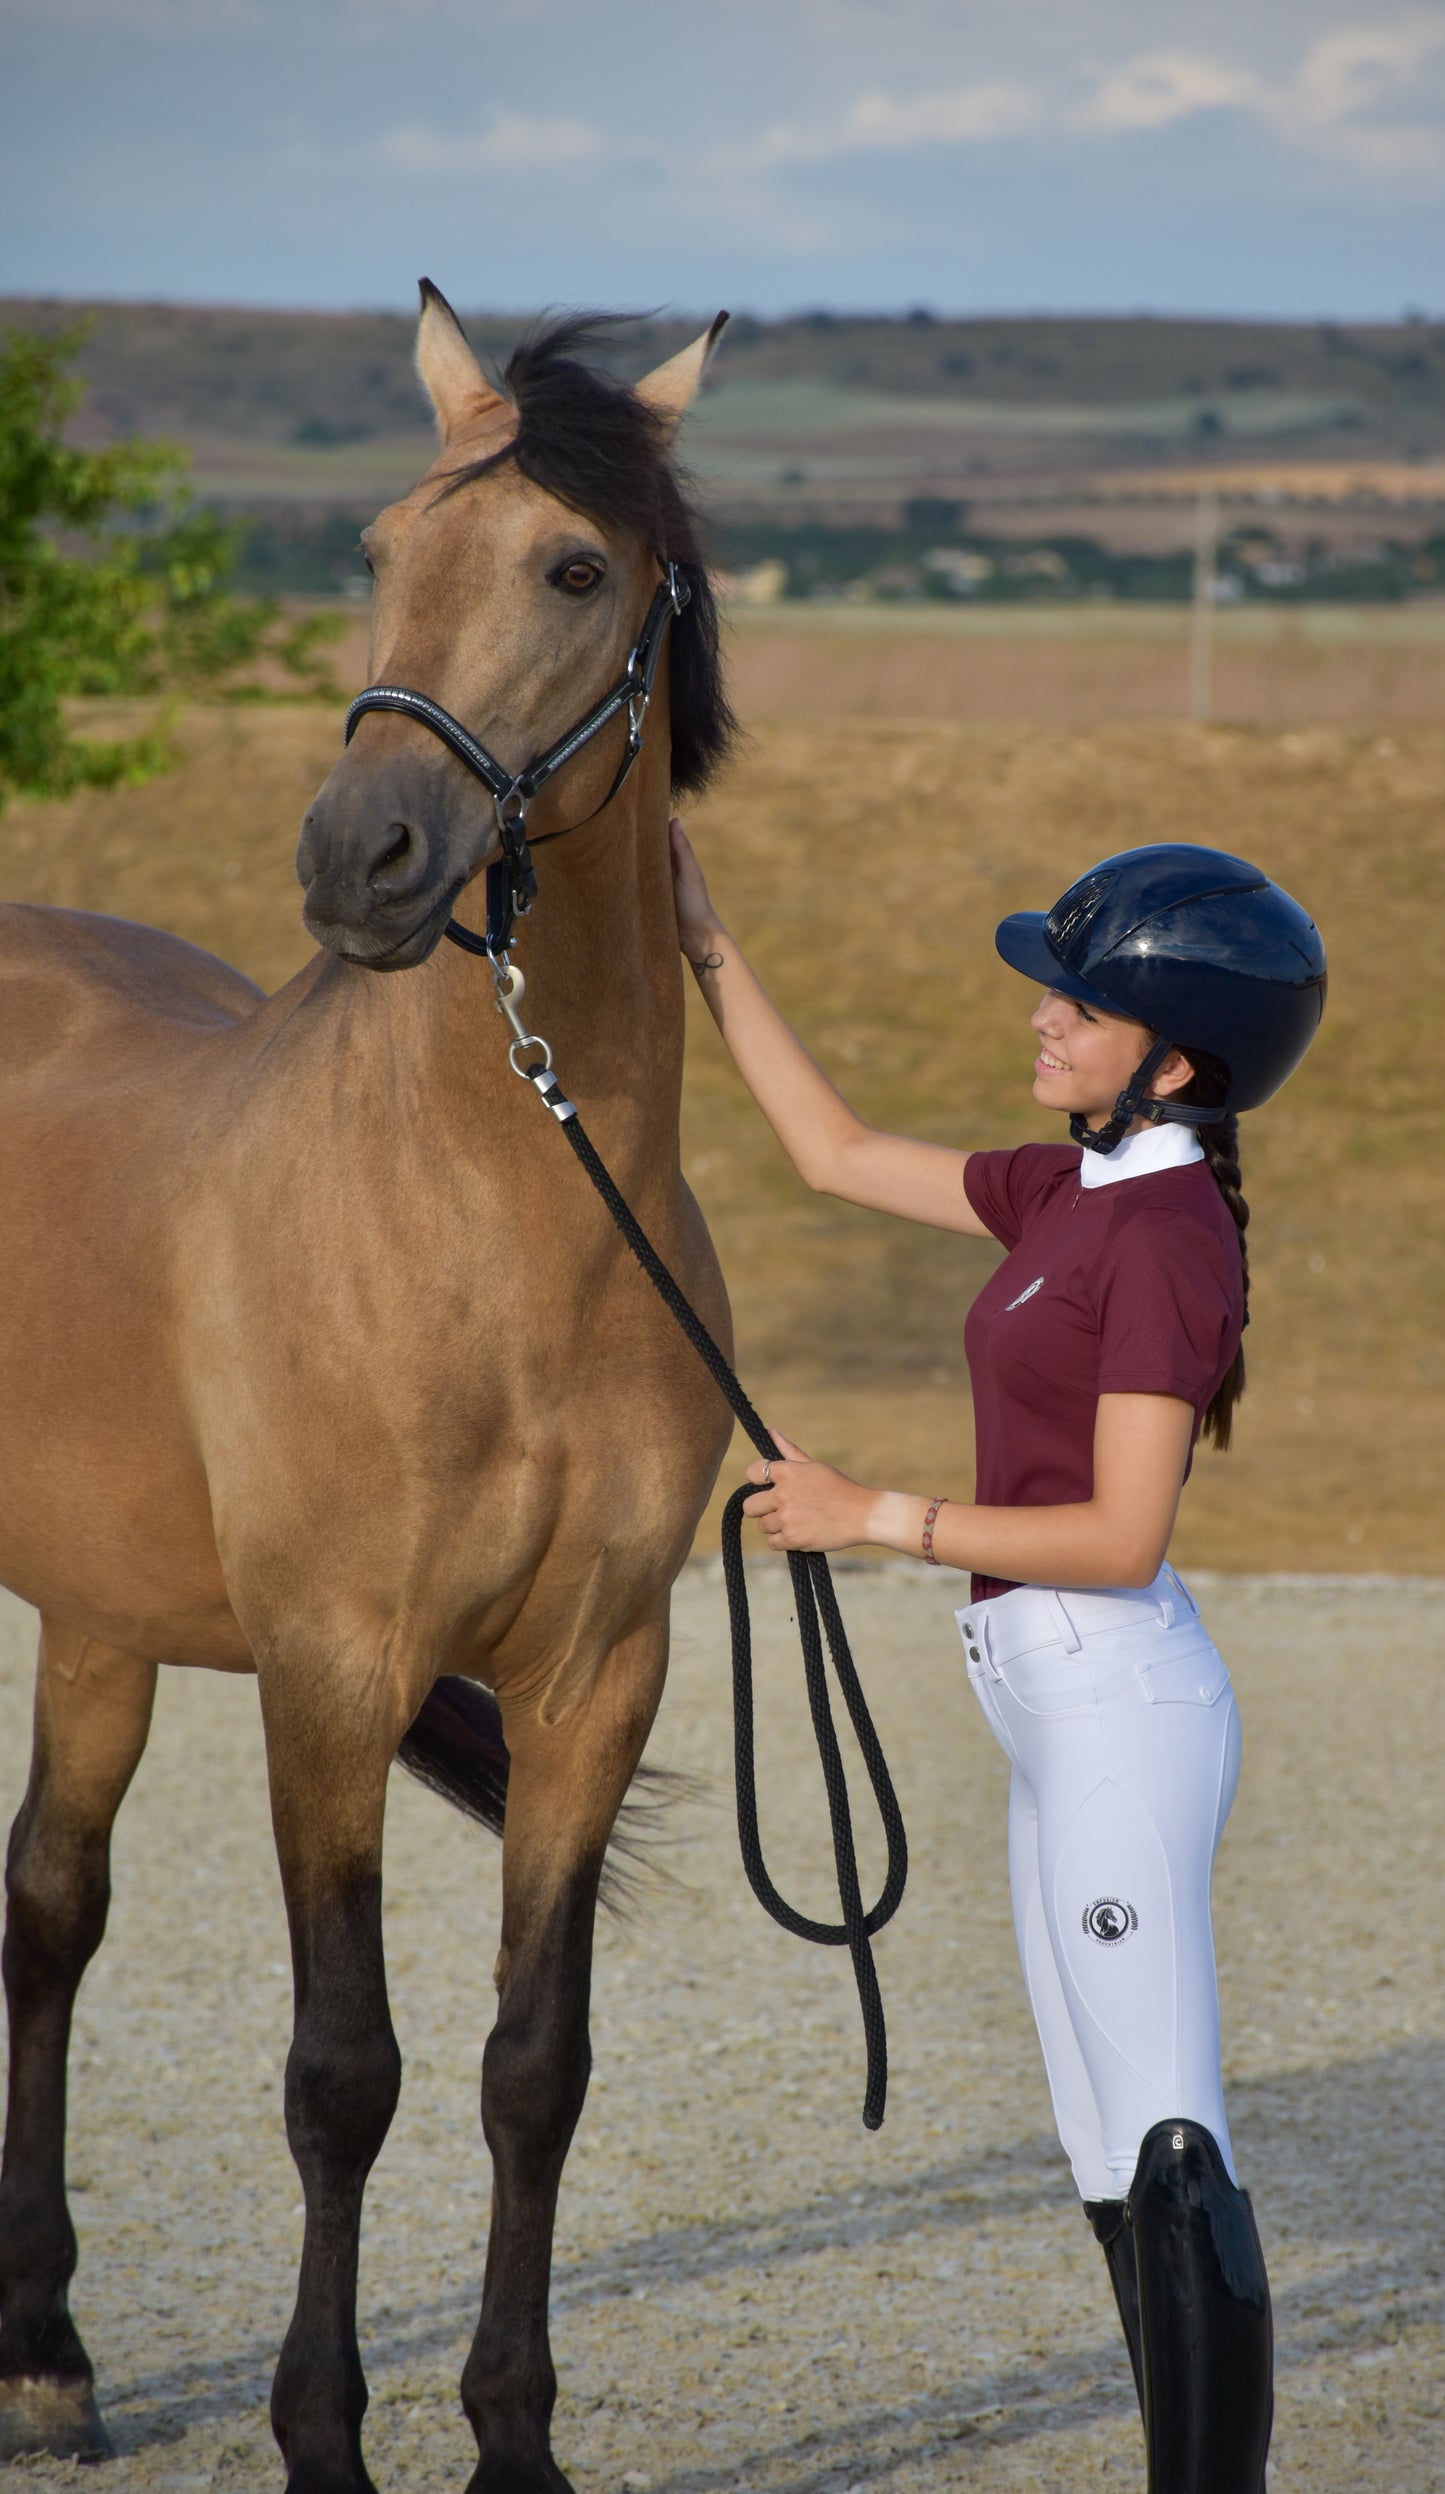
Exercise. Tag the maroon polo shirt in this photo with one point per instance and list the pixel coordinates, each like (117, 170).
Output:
(1134, 1288)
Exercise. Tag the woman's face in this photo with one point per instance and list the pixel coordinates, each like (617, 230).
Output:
(1086, 1058)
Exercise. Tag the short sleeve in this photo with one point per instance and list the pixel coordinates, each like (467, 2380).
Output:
(1168, 1311)
(1007, 1188)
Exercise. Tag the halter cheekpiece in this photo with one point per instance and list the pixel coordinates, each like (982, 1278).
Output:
(512, 880)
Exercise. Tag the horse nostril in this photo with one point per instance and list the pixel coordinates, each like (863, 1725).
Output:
(393, 855)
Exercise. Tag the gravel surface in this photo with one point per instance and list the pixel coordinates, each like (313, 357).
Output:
(750, 2292)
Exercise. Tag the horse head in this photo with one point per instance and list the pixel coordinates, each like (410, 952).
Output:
(510, 585)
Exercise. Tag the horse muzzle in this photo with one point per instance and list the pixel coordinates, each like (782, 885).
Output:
(380, 876)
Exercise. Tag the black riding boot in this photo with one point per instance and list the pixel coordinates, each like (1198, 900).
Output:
(1109, 2221)
(1204, 2317)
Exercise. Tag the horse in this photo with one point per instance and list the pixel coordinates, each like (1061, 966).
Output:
(319, 1361)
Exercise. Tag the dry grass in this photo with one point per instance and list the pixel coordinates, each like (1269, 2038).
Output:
(1069, 666)
(1074, 666)
(866, 863)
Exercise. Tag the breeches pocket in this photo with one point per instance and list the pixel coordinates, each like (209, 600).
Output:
(1048, 1684)
(1164, 1667)
(1189, 1672)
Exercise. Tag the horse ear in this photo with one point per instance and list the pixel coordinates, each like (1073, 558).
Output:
(672, 387)
(455, 382)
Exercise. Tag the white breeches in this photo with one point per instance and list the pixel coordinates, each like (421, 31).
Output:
(1116, 1714)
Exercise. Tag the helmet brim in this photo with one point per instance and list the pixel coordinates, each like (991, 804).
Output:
(1022, 943)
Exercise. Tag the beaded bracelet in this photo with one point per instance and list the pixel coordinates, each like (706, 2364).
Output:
(928, 1523)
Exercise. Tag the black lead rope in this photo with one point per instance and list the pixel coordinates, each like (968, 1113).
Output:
(511, 887)
(816, 1600)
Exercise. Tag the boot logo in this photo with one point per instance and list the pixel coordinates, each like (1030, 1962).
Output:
(1109, 1920)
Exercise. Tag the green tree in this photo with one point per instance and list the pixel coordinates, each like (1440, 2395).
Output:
(113, 581)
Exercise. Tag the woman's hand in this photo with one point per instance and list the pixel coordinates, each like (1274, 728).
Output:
(698, 924)
(807, 1505)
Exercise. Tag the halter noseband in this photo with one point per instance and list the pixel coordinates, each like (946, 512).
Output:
(512, 880)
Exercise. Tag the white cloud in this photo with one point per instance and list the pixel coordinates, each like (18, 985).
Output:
(1359, 94)
(1161, 87)
(1365, 97)
(959, 117)
(510, 143)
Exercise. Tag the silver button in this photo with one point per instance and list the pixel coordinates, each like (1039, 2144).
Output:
(973, 1654)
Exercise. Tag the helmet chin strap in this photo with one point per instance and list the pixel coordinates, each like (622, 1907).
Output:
(1133, 1101)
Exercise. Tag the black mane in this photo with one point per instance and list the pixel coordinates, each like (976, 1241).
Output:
(601, 449)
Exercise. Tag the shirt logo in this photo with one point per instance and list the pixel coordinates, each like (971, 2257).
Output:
(1023, 1295)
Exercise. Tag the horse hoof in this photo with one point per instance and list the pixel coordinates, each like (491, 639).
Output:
(512, 2476)
(41, 2418)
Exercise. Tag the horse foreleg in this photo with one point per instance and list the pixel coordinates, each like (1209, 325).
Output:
(567, 1781)
(330, 1740)
(92, 1714)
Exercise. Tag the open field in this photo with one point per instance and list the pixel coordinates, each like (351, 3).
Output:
(751, 2295)
(866, 858)
(1072, 666)
(1065, 666)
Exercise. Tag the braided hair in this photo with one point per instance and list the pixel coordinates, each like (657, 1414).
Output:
(1220, 1142)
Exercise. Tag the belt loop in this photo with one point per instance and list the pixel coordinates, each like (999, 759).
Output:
(1191, 1607)
(983, 1629)
(1069, 1637)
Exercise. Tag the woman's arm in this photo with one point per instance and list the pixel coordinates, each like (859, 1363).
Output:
(1117, 1537)
(831, 1148)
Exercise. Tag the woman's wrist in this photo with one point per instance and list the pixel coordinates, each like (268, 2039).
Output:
(705, 950)
(896, 1522)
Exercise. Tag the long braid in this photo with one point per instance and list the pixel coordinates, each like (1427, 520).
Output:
(1209, 1084)
(1221, 1150)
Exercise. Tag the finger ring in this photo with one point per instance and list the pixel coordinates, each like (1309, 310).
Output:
(767, 1473)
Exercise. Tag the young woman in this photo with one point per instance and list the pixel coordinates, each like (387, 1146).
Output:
(1180, 987)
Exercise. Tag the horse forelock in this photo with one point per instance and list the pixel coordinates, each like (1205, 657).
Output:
(593, 444)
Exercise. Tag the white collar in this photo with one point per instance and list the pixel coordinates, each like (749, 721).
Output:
(1140, 1155)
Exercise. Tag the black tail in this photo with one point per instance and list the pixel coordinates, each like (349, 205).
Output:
(455, 1747)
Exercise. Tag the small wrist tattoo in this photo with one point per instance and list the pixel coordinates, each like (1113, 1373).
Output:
(709, 961)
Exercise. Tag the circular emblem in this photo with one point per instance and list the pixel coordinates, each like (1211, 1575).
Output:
(1109, 1920)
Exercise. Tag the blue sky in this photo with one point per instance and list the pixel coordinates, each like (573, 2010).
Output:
(1281, 157)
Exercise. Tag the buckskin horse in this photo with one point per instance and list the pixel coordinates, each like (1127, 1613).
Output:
(319, 1361)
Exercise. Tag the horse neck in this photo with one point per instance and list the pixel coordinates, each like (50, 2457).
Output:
(604, 986)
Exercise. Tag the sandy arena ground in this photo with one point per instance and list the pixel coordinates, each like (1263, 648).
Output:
(751, 2293)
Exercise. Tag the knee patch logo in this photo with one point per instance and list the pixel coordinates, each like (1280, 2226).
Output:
(1109, 1920)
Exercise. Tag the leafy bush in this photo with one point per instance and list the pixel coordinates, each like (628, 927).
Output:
(112, 581)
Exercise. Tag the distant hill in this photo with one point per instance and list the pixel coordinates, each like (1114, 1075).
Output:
(320, 380)
(308, 421)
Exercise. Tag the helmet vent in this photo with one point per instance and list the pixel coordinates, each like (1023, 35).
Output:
(1075, 913)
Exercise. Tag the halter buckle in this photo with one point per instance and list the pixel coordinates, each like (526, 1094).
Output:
(511, 811)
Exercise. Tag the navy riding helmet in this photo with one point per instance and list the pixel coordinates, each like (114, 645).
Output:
(1199, 946)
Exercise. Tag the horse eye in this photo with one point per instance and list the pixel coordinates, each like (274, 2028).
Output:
(577, 578)
(365, 552)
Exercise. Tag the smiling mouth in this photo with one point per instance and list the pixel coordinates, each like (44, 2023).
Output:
(1044, 1063)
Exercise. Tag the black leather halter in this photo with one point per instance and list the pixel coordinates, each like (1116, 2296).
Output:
(512, 880)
